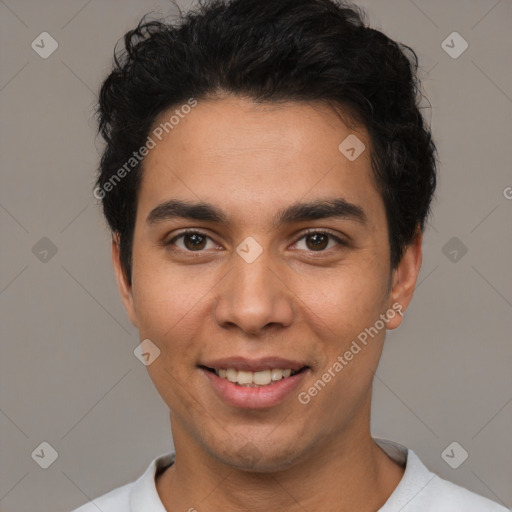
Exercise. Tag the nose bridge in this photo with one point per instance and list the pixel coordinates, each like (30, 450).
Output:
(253, 278)
(251, 295)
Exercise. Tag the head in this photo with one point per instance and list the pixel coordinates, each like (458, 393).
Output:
(231, 125)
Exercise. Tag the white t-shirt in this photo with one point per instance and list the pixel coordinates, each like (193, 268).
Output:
(420, 490)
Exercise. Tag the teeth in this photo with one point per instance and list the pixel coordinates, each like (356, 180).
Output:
(244, 377)
(277, 374)
(253, 379)
(262, 378)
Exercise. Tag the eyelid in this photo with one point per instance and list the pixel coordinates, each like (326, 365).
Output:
(188, 231)
(340, 239)
(337, 236)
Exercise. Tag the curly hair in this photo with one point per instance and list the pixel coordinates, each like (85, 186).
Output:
(268, 50)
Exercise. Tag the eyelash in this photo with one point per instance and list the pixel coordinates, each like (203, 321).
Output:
(169, 245)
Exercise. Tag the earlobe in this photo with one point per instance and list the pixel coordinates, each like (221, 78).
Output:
(404, 280)
(125, 288)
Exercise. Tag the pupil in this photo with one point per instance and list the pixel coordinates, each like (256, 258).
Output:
(319, 241)
(197, 241)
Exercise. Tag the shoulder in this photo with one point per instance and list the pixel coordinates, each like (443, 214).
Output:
(421, 490)
(117, 500)
(138, 496)
(444, 496)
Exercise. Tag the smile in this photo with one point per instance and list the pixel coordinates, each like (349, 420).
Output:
(259, 389)
(254, 379)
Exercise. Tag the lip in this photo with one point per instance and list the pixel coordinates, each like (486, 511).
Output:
(254, 397)
(254, 365)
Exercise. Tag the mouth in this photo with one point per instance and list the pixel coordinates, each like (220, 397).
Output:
(254, 379)
(261, 383)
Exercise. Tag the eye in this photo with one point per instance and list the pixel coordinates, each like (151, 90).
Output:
(192, 241)
(319, 241)
(197, 241)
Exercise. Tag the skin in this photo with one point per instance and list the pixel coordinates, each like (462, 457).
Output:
(295, 301)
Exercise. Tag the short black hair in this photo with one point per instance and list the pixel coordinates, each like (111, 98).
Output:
(270, 51)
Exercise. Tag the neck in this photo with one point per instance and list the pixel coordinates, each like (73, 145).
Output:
(346, 473)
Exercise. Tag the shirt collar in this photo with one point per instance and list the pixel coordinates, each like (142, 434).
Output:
(144, 495)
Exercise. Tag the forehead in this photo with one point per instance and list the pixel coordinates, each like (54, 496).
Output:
(256, 158)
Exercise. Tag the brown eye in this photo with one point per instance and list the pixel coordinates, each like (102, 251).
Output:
(194, 242)
(191, 241)
(317, 241)
(320, 241)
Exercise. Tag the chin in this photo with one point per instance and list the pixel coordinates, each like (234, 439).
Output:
(254, 458)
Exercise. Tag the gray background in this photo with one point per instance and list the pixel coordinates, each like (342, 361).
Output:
(68, 373)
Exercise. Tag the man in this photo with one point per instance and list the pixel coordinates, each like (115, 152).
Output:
(267, 178)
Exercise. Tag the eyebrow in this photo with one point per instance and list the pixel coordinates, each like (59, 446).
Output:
(298, 212)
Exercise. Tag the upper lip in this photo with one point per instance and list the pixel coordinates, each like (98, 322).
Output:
(254, 365)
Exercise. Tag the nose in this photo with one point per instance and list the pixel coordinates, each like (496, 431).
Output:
(254, 297)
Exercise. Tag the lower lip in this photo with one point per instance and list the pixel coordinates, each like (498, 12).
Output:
(254, 397)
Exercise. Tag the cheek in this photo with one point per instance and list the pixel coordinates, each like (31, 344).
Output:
(168, 302)
(345, 301)
(340, 319)
(166, 297)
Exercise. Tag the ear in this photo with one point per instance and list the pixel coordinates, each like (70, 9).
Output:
(125, 288)
(404, 279)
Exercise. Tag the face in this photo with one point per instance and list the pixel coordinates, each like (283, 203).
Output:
(259, 247)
